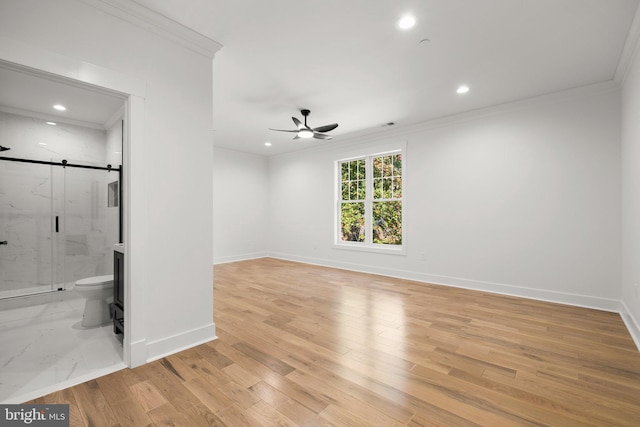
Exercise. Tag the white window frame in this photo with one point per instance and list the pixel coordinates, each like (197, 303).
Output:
(368, 245)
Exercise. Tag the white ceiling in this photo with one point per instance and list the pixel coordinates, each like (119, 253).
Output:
(348, 63)
(31, 94)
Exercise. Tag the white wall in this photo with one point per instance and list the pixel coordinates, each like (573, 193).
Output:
(26, 136)
(523, 201)
(240, 190)
(113, 148)
(170, 174)
(631, 198)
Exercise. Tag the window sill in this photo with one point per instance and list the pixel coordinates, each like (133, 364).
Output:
(380, 249)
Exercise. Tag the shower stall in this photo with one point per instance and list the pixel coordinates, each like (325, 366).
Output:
(59, 220)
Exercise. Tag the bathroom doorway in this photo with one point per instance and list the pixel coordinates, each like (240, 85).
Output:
(127, 91)
(60, 182)
(61, 210)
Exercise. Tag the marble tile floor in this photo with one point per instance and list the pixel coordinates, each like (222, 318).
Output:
(44, 349)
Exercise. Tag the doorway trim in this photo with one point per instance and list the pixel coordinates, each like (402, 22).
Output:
(133, 90)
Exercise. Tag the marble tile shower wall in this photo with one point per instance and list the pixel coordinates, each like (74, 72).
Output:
(32, 195)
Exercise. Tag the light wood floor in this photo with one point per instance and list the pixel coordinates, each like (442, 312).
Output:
(306, 345)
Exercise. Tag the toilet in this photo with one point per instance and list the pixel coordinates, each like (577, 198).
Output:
(96, 290)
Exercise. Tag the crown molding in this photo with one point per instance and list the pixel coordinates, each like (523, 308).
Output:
(154, 22)
(511, 106)
(630, 50)
(401, 132)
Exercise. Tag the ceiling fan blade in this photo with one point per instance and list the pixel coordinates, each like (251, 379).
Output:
(298, 123)
(296, 137)
(321, 136)
(283, 130)
(325, 128)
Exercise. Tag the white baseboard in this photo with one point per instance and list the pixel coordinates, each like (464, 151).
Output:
(135, 354)
(598, 303)
(632, 323)
(236, 258)
(169, 345)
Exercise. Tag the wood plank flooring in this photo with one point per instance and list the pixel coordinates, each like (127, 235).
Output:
(302, 345)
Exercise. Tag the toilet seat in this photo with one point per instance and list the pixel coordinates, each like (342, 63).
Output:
(95, 282)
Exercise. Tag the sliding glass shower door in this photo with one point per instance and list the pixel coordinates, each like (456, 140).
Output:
(57, 225)
(91, 224)
(26, 229)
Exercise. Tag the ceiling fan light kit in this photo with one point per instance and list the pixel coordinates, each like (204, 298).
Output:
(305, 132)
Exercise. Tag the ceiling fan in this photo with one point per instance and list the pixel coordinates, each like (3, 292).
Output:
(304, 131)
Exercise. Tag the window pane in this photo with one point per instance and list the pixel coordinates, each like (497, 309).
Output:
(362, 189)
(387, 223)
(352, 222)
(345, 191)
(397, 165)
(397, 188)
(344, 171)
(361, 169)
(388, 166)
(386, 188)
(353, 190)
(377, 188)
(377, 167)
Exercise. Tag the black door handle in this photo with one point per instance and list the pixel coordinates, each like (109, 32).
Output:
(4, 242)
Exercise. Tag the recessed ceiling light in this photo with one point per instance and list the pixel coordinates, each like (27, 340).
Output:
(42, 143)
(267, 144)
(118, 152)
(51, 123)
(59, 107)
(406, 22)
(462, 89)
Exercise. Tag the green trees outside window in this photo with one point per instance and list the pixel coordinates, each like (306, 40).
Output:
(387, 195)
(352, 209)
(371, 200)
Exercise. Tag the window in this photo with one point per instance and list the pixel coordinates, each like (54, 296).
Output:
(369, 208)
